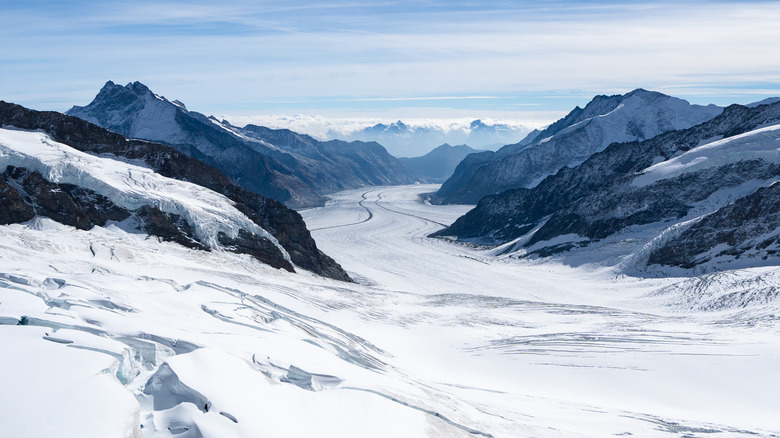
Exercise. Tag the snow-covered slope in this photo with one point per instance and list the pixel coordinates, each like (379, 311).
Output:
(636, 116)
(128, 186)
(83, 208)
(210, 218)
(759, 144)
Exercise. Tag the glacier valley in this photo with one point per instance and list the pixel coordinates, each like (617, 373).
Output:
(112, 333)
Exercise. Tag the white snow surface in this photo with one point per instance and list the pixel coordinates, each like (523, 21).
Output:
(127, 185)
(105, 333)
(759, 144)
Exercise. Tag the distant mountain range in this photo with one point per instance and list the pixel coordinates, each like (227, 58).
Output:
(635, 116)
(407, 139)
(702, 198)
(438, 164)
(82, 175)
(292, 168)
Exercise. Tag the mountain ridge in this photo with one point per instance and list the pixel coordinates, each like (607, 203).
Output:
(615, 190)
(243, 154)
(411, 139)
(637, 115)
(438, 164)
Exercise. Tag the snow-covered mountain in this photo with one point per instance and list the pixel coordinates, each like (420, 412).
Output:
(293, 168)
(82, 175)
(702, 197)
(438, 164)
(412, 139)
(636, 116)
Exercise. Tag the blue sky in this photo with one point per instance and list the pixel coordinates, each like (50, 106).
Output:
(393, 60)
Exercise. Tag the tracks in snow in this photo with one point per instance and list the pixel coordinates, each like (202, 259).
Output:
(362, 204)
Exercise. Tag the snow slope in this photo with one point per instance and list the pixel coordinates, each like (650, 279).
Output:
(440, 339)
(759, 144)
(128, 186)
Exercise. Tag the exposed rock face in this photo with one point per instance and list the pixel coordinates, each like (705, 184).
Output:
(14, 209)
(64, 203)
(438, 164)
(293, 168)
(615, 189)
(170, 227)
(286, 225)
(636, 116)
(748, 229)
(259, 248)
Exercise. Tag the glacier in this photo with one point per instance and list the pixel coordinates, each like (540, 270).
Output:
(106, 333)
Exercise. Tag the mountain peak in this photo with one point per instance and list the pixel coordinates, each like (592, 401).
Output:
(109, 84)
(138, 87)
(646, 95)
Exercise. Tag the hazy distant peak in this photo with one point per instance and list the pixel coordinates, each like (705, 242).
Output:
(767, 101)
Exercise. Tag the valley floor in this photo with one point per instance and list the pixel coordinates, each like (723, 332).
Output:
(108, 333)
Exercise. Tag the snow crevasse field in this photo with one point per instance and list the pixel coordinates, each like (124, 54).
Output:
(108, 332)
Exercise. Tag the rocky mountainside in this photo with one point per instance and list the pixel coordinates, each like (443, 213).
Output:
(657, 197)
(636, 116)
(292, 168)
(438, 164)
(31, 187)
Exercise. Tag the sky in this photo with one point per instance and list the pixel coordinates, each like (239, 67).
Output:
(515, 60)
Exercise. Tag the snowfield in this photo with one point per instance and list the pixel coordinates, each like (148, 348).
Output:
(109, 333)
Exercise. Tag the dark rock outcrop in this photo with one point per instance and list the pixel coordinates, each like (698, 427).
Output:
(64, 203)
(258, 247)
(14, 208)
(748, 228)
(284, 224)
(168, 226)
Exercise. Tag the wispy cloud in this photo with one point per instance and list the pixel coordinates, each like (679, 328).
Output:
(346, 56)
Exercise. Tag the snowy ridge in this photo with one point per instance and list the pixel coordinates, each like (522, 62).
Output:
(292, 168)
(759, 144)
(128, 186)
(402, 138)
